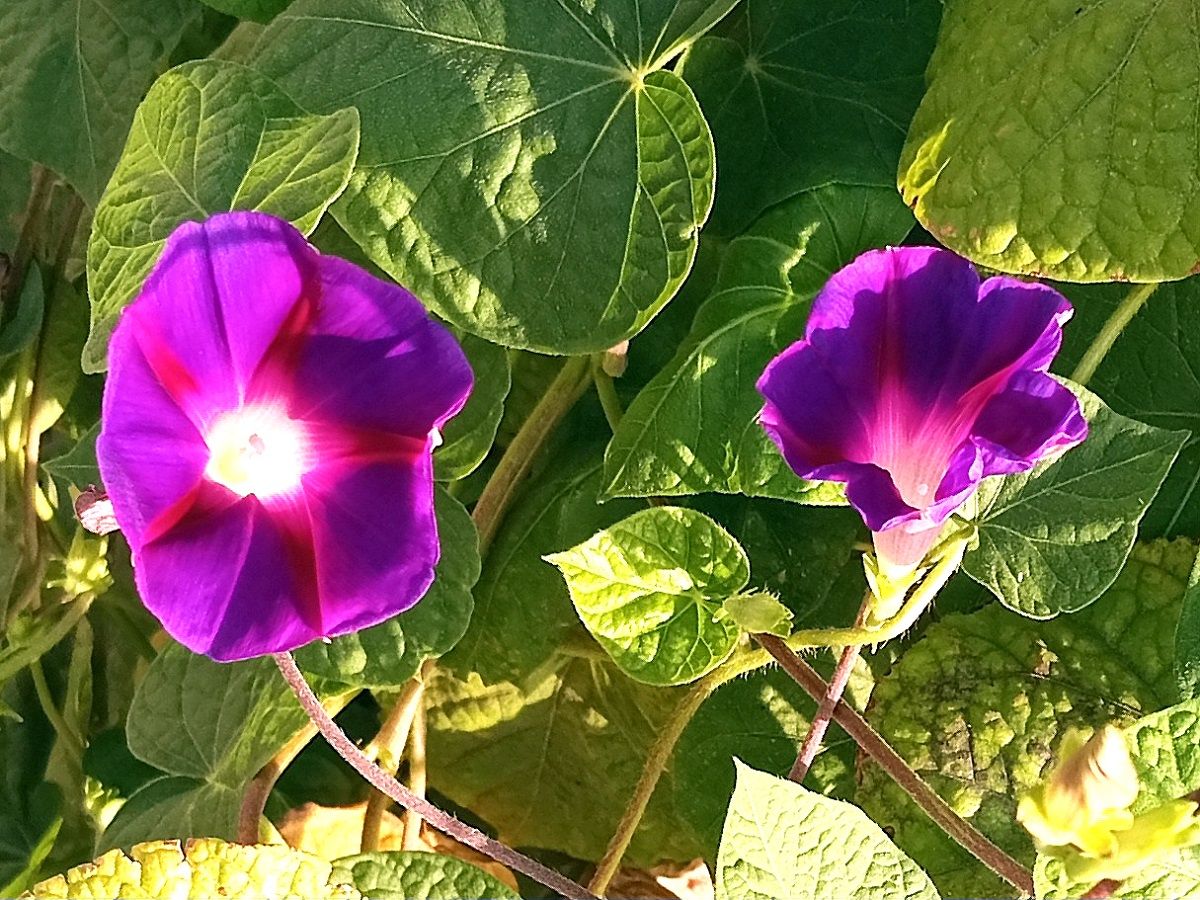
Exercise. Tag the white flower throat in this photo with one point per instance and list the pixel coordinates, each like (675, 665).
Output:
(257, 450)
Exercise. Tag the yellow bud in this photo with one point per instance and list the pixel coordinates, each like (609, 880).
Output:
(84, 570)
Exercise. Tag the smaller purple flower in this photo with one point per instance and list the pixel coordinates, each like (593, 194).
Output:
(913, 382)
(266, 442)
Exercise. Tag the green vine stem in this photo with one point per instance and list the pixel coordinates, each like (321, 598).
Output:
(1121, 316)
(386, 749)
(418, 778)
(873, 744)
(568, 386)
(437, 818)
(659, 756)
(258, 790)
(916, 603)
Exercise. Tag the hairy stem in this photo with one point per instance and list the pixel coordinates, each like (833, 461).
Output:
(258, 790)
(442, 821)
(387, 748)
(566, 388)
(1121, 316)
(417, 778)
(659, 756)
(873, 744)
(915, 604)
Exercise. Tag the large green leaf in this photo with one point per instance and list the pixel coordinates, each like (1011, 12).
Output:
(73, 72)
(254, 10)
(1053, 539)
(1152, 374)
(979, 705)
(1056, 138)
(419, 876)
(529, 169)
(783, 841)
(1187, 638)
(801, 93)
(165, 870)
(694, 427)
(210, 136)
(389, 654)
(522, 609)
(468, 437)
(650, 590)
(214, 725)
(1165, 747)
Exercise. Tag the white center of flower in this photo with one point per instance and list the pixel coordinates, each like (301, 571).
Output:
(256, 450)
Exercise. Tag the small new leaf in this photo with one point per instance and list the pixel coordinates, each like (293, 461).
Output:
(759, 613)
(650, 589)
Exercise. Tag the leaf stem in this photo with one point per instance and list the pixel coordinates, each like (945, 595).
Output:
(72, 743)
(418, 778)
(387, 748)
(1121, 316)
(442, 821)
(258, 789)
(606, 390)
(659, 756)
(873, 744)
(566, 388)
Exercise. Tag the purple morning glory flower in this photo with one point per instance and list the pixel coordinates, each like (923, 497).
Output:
(913, 382)
(267, 430)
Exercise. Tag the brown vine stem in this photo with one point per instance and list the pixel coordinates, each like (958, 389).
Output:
(437, 818)
(31, 224)
(566, 388)
(873, 744)
(258, 790)
(387, 749)
(659, 756)
(833, 694)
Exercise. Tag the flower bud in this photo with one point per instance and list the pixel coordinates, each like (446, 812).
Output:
(1087, 795)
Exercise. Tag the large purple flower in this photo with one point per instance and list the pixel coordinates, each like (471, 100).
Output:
(268, 424)
(913, 382)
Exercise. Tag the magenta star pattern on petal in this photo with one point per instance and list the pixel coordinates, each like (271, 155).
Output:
(267, 435)
(913, 382)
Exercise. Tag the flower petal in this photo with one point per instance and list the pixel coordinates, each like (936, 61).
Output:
(222, 584)
(375, 538)
(150, 454)
(374, 359)
(811, 415)
(216, 302)
(1032, 417)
